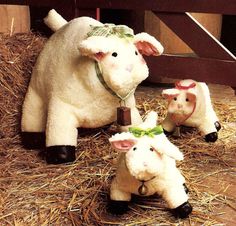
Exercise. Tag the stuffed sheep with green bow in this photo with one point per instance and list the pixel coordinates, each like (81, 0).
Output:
(147, 166)
(85, 69)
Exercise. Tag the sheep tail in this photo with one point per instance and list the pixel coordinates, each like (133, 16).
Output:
(54, 20)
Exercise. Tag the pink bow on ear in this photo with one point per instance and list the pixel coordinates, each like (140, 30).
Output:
(181, 87)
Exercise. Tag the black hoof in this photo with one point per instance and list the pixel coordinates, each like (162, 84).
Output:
(60, 154)
(33, 140)
(183, 210)
(186, 188)
(118, 207)
(167, 133)
(211, 137)
(217, 125)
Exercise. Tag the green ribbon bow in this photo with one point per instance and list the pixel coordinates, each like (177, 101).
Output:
(138, 132)
(122, 31)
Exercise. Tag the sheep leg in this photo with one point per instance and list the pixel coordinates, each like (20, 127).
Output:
(177, 200)
(116, 193)
(209, 129)
(33, 121)
(61, 133)
(118, 207)
(34, 113)
(168, 125)
(119, 199)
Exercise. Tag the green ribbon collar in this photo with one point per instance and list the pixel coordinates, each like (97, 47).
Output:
(121, 31)
(138, 132)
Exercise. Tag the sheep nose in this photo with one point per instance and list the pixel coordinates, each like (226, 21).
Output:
(129, 68)
(179, 105)
(145, 164)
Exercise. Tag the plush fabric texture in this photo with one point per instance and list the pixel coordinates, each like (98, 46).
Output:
(190, 106)
(151, 160)
(54, 20)
(65, 93)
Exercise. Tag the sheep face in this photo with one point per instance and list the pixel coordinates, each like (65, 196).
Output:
(143, 161)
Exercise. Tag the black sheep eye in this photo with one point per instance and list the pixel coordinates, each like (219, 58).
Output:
(134, 148)
(114, 54)
(136, 53)
(187, 100)
(151, 149)
(175, 98)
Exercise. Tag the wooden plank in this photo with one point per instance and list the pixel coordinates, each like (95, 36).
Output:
(14, 19)
(195, 35)
(207, 6)
(39, 3)
(172, 43)
(200, 69)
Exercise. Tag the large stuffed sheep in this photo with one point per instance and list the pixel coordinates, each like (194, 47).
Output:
(190, 105)
(84, 71)
(147, 166)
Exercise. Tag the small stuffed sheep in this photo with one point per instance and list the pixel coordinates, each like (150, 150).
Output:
(147, 166)
(84, 72)
(189, 104)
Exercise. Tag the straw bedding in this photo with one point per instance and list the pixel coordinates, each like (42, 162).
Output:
(34, 193)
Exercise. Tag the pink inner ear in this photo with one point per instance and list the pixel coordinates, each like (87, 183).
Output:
(123, 145)
(98, 56)
(191, 97)
(146, 48)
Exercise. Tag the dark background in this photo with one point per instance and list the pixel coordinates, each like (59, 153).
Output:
(133, 19)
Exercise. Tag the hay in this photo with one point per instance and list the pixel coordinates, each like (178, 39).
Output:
(34, 193)
(17, 56)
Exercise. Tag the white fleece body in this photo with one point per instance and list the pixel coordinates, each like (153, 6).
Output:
(150, 159)
(203, 116)
(65, 93)
(168, 184)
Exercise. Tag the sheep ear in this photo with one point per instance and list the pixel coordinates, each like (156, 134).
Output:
(95, 47)
(147, 44)
(170, 94)
(123, 145)
(164, 146)
(174, 152)
(123, 141)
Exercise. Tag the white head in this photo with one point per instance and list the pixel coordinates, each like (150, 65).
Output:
(120, 59)
(147, 155)
(182, 99)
